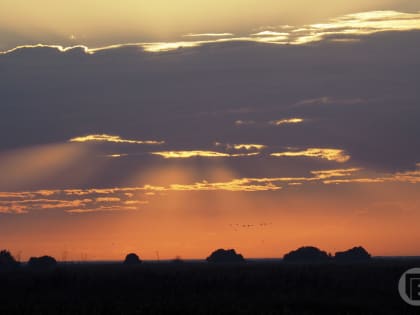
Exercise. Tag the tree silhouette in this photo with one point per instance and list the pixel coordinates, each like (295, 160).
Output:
(307, 254)
(42, 262)
(225, 256)
(353, 254)
(132, 259)
(7, 260)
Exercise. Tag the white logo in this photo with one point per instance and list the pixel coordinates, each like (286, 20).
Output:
(409, 286)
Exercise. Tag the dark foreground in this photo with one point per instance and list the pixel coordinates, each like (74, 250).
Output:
(201, 288)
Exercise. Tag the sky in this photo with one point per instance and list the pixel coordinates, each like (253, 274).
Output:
(175, 129)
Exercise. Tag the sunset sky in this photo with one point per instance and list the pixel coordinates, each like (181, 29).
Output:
(173, 128)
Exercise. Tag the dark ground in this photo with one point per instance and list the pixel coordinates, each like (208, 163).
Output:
(203, 288)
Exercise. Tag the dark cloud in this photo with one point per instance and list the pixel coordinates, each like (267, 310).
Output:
(361, 97)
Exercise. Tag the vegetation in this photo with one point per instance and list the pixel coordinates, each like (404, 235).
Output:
(200, 288)
(42, 262)
(338, 287)
(311, 254)
(132, 259)
(354, 254)
(225, 256)
(307, 254)
(7, 261)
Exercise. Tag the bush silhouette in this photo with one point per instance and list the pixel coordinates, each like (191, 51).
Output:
(7, 260)
(132, 259)
(225, 256)
(307, 254)
(42, 262)
(353, 254)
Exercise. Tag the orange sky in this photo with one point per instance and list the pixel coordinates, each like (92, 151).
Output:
(257, 224)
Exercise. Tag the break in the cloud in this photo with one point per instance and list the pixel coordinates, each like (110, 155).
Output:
(344, 172)
(59, 48)
(361, 24)
(116, 155)
(241, 146)
(412, 177)
(249, 146)
(241, 184)
(199, 153)
(208, 35)
(112, 138)
(286, 121)
(336, 155)
(278, 122)
(343, 28)
(270, 33)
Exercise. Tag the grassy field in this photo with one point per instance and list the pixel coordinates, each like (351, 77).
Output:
(203, 288)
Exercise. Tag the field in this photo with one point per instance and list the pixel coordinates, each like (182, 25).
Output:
(203, 288)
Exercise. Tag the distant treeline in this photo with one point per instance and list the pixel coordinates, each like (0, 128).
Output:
(307, 254)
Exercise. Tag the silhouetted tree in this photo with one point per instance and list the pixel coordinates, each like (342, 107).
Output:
(353, 254)
(132, 259)
(42, 262)
(225, 256)
(7, 260)
(307, 254)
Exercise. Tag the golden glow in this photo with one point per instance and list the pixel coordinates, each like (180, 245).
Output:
(249, 147)
(364, 23)
(136, 202)
(116, 155)
(160, 47)
(286, 121)
(336, 155)
(412, 177)
(60, 48)
(193, 218)
(199, 224)
(373, 21)
(270, 33)
(34, 165)
(111, 138)
(335, 173)
(209, 35)
(243, 184)
(58, 204)
(189, 154)
(198, 153)
(20, 202)
(355, 180)
(355, 24)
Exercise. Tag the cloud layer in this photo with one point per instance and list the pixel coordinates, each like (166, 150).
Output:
(131, 198)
